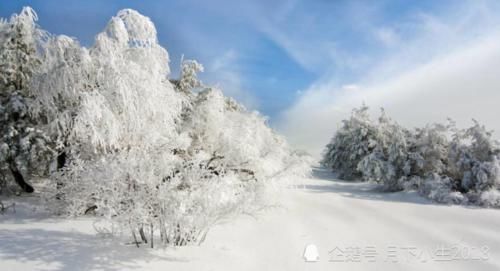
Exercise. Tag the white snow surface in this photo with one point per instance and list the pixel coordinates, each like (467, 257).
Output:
(347, 222)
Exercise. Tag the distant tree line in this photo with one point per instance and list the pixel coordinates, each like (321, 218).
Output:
(442, 162)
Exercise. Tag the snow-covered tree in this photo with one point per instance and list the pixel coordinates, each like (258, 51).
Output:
(385, 164)
(474, 159)
(60, 85)
(146, 153)
(364, 149)
(124, 112)
(471, 170)
(189, 75)
(350, 144)
(24, 149)
(428, 151)
(220, 125)
(440, 161)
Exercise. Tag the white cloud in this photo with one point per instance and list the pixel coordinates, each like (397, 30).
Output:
(439, 65)
(387, 36)
(463, 84)
(223, 73)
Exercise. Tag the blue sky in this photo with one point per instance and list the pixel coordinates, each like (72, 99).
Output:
(237, 55)
(306, 63)
(265, 51)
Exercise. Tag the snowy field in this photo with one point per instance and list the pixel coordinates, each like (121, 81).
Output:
(126, 142)
(352, 226)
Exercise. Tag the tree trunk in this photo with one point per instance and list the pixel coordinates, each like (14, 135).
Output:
(61, 162)
(18, 177)
(143, 236)
(135, 238)
(152, 235)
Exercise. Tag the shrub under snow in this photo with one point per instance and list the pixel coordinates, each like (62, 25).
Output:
(442, 162)
(156, 156)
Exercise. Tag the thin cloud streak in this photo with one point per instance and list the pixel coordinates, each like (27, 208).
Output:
(437, 65)
(461, 85)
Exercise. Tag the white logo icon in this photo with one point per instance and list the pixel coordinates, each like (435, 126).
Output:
(311, 253)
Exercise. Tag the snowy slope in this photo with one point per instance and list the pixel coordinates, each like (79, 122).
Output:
(353, 227)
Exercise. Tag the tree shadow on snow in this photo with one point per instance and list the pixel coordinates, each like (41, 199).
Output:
(72, 250)
(369, 191)
(26, 212)
(361, 190)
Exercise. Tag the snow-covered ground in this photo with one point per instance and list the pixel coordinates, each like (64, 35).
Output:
(352, 226)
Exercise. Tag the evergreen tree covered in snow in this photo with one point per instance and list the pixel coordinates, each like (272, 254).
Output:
(427, 151)
(350, 144)
(385, 164)
(24, 149)
(473, 160)
(471, 169)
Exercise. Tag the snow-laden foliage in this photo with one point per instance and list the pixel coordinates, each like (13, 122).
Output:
(220, 125)
(179, 198)
(474, 159)
(350, 144)
(385, 163)
(440, 189)
(189, 71)
(440, 161)
(427, 151)
(60, 85)
(150, 153)
(24, 149)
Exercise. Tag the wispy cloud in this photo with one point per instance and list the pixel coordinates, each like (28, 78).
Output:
(423, 60)
(224, 73)
(387, 36)
(446, 67)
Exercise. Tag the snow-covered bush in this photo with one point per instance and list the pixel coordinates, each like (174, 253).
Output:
(440, 161)
(25, 150)
(490, 198)
(464, 169)
(180, 199)
(146, 151)
(474, 162)
(440, 189)
(427, 151)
